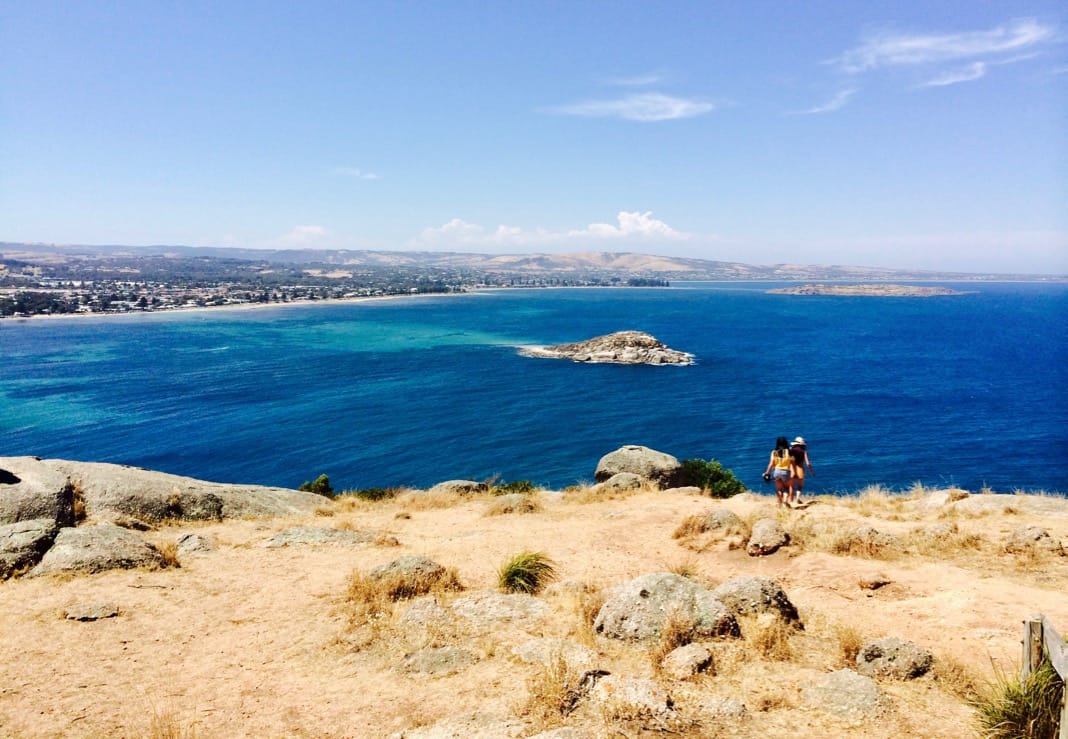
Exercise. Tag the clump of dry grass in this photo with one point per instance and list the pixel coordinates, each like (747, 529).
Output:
(554, 691)
(168, 555)
(849, 642)
(77, 493)
(164, 724)
(676, 630)
(686, 567)
(768, 636)
(691, 526)
(369, 600)
(956, 678)
(586, 605)
(526, 572)
(525, 503)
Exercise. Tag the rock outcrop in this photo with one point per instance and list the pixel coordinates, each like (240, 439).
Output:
(753, 595)
(767, 537)
(96, 548)
(659, 468)
(636, 610)
(622, 347)
(112, 491)
(894, 658)
(22, 544)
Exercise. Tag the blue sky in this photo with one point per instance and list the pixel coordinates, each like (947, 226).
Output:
(904, 134)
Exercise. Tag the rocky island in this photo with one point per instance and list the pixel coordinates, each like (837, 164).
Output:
(881, 290)
(621, 347)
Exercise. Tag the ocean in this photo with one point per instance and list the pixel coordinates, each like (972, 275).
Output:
(966, 390)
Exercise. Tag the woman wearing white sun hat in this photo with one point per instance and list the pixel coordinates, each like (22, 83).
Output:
(799, 451)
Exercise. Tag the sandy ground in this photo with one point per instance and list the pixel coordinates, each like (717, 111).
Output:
(251, 641)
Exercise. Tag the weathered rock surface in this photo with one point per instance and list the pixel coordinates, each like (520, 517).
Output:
(438, 661)
(895, 658)
(22, 544)
(317, 536)
(458, 487)
(192, 543)
(96, 548)
(767, 537)
(622, 481)
(686, 661)
(31, 488)
(486, 608)
(1032, 537)
(112, 490)
(90, 611)
(636, 610)
(648, 464)
(725, 521)
(543, 651)
(410, 567)
(472, 726)
(845, 694)
(635, 698)
(753, 596)
(621, 347)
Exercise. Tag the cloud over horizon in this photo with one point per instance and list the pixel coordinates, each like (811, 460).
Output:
(630, 225)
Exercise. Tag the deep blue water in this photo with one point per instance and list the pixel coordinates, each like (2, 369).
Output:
(967, 390)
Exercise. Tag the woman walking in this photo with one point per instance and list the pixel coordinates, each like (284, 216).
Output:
(781, 469)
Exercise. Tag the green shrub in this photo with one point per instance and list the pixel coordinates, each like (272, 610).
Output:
(526, 572)
(1024, 709)
(515, 486)
(710, 476)
(375, 493)
(321, 486)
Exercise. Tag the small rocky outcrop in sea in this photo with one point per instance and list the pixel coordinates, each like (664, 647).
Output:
(621, 347)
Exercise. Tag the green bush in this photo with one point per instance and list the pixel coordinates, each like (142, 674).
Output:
(375, 493)
(515, 486)
(1022, 709)
(710, 476)
(526, 572)
(321, 486)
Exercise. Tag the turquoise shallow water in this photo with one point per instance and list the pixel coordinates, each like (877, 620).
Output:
(966, 390)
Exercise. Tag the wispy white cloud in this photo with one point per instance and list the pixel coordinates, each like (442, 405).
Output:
(902, 49)
(640, 80)
(643, 107)
(355, 173)
(974, 71)
(630, 225)
(835, 103)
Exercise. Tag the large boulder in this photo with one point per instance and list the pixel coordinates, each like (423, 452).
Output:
(636, 610)
(22, 544)
(458, 487)
(1032, 538)
(657, 467)
(31, 488)
(767, 537)
(96, 548)
(113, 491)
(753, 596)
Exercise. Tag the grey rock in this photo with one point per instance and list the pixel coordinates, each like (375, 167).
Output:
(635, 698)
(724, 520)
(872, 541)
(637, 609)
(113, 490)
(90, 611)
(438, 661)
(621, 347)
(766, 537)
(96, 548)
(31, 488)
(22, 544)
(623, 481)
(409, 567)
(648, 464)
(543, 651)
(424, 612)
(192, 543)
(894, 658)
(844, 694)
(458, 487)
(686, 661)
(724, 708)
(686, 490)
(752, 596)
(1031, 538)
(317, 536)
(487, 608)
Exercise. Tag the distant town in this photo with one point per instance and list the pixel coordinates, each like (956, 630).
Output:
(40, 279)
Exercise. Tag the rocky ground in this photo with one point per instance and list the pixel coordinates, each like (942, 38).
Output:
(264, 624)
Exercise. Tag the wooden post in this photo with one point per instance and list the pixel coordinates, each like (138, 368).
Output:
(1032, 646)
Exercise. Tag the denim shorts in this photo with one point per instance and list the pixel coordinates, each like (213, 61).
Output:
(780, 474)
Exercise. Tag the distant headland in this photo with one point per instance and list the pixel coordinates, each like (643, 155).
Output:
(876, 289)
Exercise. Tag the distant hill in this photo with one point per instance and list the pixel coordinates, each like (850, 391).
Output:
(604, 264)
